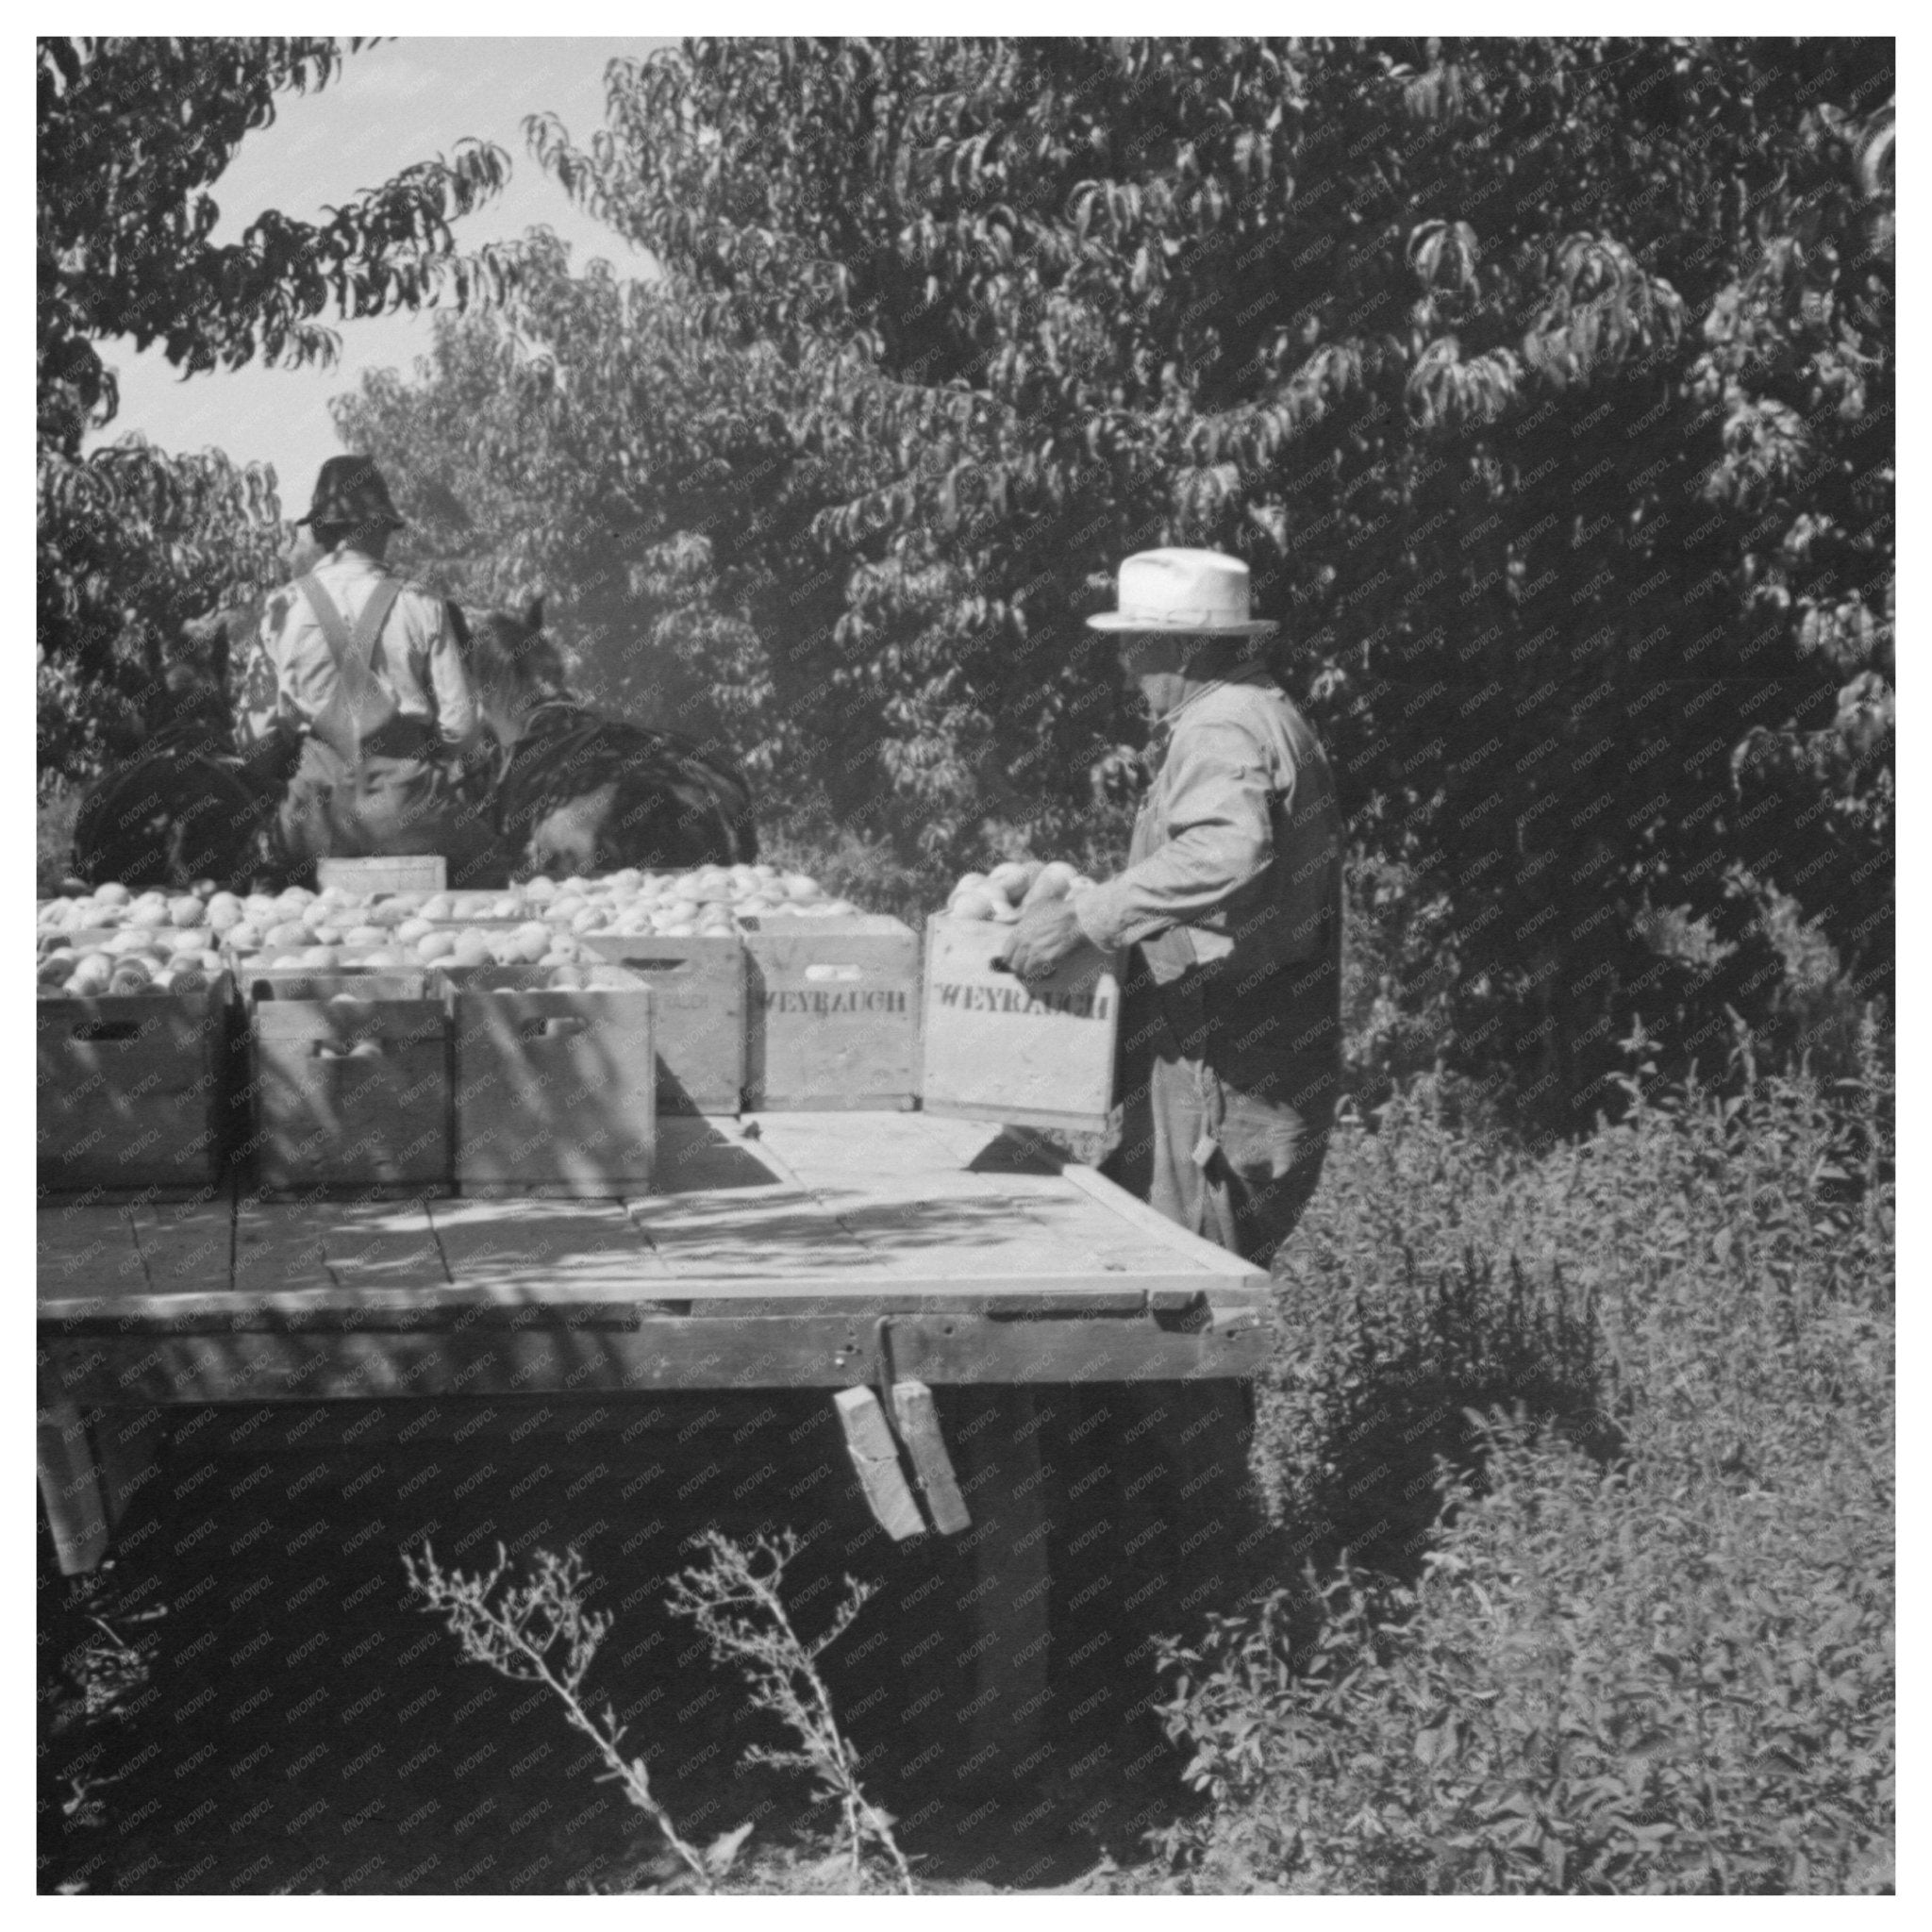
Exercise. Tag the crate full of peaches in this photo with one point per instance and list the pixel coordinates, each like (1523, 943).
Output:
(1038, 1053)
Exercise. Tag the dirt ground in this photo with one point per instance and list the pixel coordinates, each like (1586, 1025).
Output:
(299, 1724)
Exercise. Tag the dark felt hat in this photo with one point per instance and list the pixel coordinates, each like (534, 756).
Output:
(349, 494)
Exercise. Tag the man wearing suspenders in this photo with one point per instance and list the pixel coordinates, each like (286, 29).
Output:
(365, 671)
(1231, 903)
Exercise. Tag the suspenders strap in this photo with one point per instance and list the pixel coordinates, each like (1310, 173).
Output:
(360, 706)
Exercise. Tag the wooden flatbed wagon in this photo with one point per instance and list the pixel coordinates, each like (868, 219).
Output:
(901, 1254)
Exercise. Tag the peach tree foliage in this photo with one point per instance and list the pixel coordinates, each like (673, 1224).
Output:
(1545, 384)
(130, 542)
(132, 137)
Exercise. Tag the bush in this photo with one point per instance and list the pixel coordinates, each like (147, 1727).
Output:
(865, 869)
(1650, 1650)
(54, 815)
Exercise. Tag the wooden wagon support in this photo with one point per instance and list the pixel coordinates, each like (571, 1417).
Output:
(880, 1257)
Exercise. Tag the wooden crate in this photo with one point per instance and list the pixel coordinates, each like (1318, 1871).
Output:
(135, 1092)
(350, 1079)
(698, 1015)
(832, 1013)
(555, 1088)
(427, 873)
(995, 1048)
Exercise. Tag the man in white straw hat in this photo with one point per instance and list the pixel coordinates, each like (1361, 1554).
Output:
(1231, 1030)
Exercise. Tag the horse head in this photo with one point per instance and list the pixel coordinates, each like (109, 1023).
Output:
(177, 690)
(512, 663)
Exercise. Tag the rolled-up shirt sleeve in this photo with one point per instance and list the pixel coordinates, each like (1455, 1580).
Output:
(456, 702)
(1220, 839)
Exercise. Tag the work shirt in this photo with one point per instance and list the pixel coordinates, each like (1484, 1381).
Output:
(1237, 851)
(292, 673)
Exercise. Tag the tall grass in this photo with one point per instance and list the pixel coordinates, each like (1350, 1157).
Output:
(1647, 1647)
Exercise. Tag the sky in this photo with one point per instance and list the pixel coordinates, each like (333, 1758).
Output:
(406, 101)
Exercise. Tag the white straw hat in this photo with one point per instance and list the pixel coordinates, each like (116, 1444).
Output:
(1198, 592)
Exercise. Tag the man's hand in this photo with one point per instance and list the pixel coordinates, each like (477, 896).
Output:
(1046, 936)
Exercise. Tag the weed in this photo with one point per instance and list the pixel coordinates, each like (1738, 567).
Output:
(84, 1699)
(736, 1606)
(540, 1632)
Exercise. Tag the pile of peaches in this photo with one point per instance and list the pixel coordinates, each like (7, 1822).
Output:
(1007, 890)
(113, 940)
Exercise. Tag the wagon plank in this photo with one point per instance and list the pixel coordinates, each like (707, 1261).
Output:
(706, 1155)
(543, 1247)
(292, 1246)
(983, 1229)
(185, 1247)
(1135, 1215)
(923, 1201)
(784, 1234)
(89, 1252)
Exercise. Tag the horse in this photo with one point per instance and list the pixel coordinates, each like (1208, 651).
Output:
(187, 807)
(570, 790)
(578, 792)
